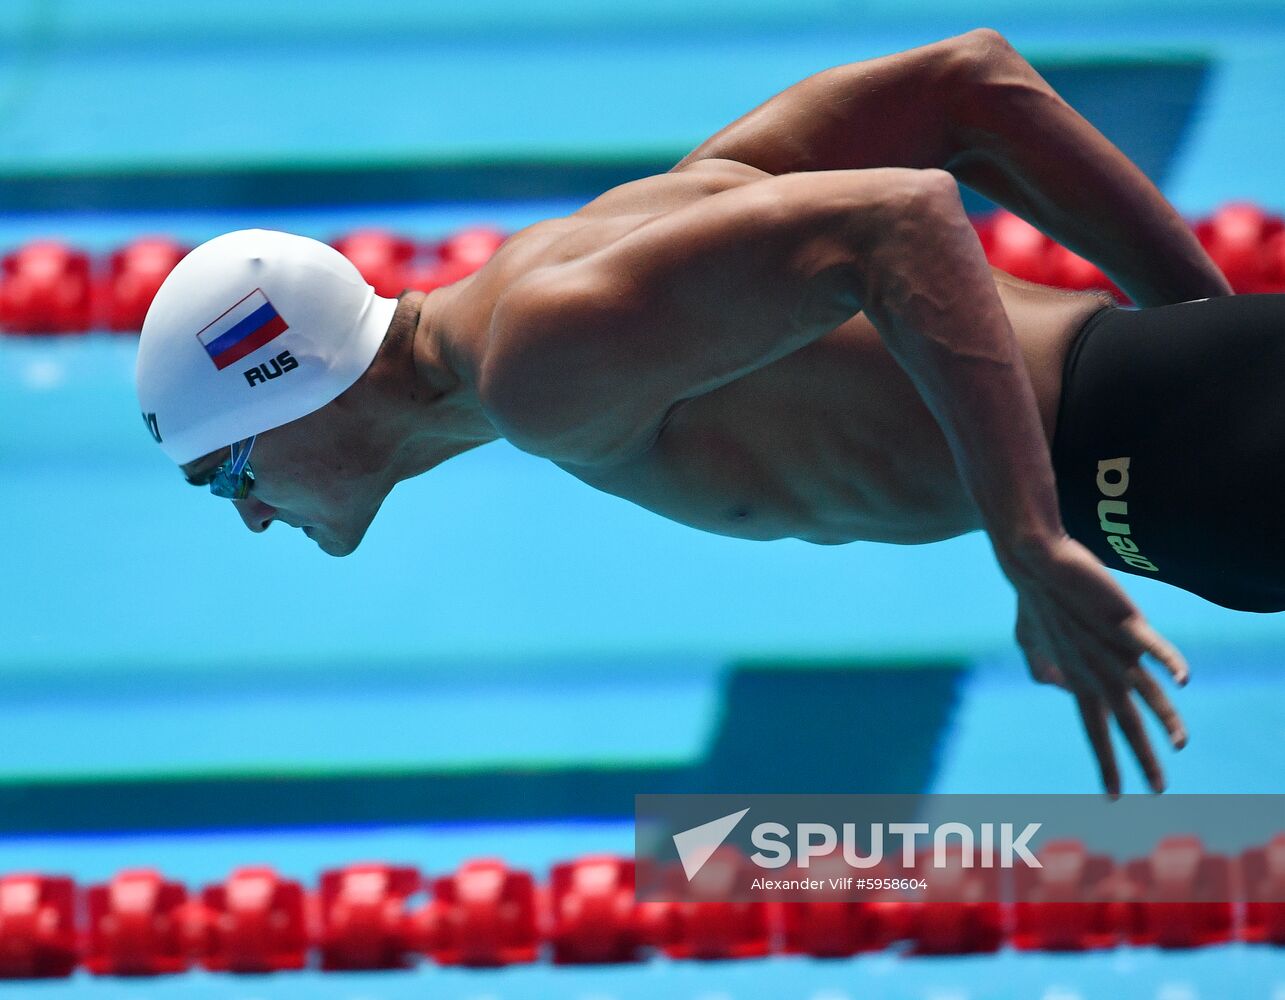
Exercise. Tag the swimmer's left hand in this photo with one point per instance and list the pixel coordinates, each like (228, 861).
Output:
(1079, 630)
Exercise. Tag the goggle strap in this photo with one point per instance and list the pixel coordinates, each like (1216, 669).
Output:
(240, 456)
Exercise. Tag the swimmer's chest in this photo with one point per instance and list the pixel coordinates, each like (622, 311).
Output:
(829, 443)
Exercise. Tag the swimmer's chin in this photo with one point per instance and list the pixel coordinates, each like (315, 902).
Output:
(333, 546)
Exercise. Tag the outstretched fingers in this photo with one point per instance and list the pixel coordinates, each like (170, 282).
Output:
(1094, 714)
(1149, 641)
(1104, 693)
(1075, 623)
(1156, 700)
(1129, 719)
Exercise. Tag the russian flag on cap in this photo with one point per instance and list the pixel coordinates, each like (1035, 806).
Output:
(242, 330)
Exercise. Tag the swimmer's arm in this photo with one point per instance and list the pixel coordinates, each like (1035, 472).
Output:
(973, 106)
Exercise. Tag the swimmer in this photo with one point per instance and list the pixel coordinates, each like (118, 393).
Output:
(795, 333)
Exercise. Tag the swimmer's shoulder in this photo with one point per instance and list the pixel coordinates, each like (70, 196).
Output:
(675, 189)
(617, 212)
(608, 218)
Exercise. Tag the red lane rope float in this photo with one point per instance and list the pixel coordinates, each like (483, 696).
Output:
(48, 286)
(487, 914)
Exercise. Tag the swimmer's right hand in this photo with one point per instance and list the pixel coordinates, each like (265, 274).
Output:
(1079, 630)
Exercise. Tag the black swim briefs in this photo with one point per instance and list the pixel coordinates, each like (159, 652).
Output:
(1169, 450)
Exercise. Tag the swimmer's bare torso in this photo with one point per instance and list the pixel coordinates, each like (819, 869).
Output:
(832, 442)
(795, 333)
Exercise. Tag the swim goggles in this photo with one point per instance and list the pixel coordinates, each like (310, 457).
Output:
(232, 480)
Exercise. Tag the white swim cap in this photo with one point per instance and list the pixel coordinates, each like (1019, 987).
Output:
(250, 331)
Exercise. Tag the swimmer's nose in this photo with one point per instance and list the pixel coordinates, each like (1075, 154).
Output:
(256, 514)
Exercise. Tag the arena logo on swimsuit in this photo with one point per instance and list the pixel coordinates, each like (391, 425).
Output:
(1113, 482)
